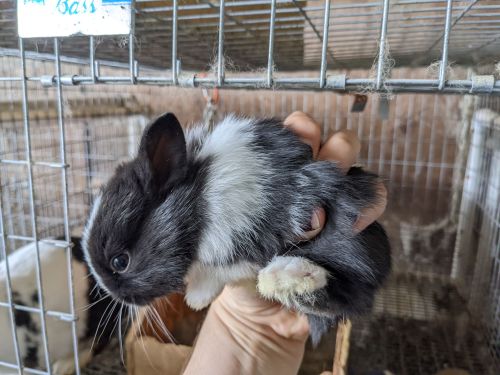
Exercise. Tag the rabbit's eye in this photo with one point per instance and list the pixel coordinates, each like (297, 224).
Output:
(120, 262)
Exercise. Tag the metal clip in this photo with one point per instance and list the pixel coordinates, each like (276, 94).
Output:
(47, 81)
(136, 70)
(68, 80)
(336, 82)
(68, 318)
(482, 84)
(186, 80)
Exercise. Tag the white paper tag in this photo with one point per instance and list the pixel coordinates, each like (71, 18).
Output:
(51, 18)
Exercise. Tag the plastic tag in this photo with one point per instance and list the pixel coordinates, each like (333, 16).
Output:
(54, 18)
(359, 103)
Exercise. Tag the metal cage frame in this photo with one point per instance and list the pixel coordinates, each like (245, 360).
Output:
(62, 166)
(176, 76)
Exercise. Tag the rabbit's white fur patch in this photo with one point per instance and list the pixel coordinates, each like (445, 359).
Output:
(205, 282)
(234, 190)
(286, 277)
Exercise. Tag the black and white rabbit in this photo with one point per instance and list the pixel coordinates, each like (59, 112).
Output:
(90, 307)
(198, 210)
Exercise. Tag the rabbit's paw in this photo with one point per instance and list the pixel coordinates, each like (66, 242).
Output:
(287, 277)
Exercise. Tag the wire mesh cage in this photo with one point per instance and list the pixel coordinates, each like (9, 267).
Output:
(267, 39)
(72, 108)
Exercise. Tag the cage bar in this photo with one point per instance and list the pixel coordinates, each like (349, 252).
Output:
(324, 47)
(270, 64)
(220, 45)
(92, 62)
(174, 41)
(65, 203)
(26, 123)
(382, 46)
(444, 59)
(10, 304)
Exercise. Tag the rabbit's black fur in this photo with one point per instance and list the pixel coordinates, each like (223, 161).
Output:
(199, 210)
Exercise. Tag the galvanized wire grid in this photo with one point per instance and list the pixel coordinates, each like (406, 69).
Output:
(254, 43)
(35, 191)
(61, 165)
(420, 326)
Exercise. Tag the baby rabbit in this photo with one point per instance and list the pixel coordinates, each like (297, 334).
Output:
(196, 210)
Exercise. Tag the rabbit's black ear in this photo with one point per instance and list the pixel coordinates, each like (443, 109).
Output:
(164, 147)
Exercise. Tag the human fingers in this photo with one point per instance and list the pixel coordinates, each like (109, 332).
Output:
(306, 128)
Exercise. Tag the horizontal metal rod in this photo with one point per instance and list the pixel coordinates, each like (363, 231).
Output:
(56, 314)
(10, 79)
(305, 83)
(37, 163)
(57, 243)
(27, 370)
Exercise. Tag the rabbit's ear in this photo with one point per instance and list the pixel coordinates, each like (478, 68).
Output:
(164, 147)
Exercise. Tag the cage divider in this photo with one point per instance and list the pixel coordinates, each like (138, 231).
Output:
(65, 203)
